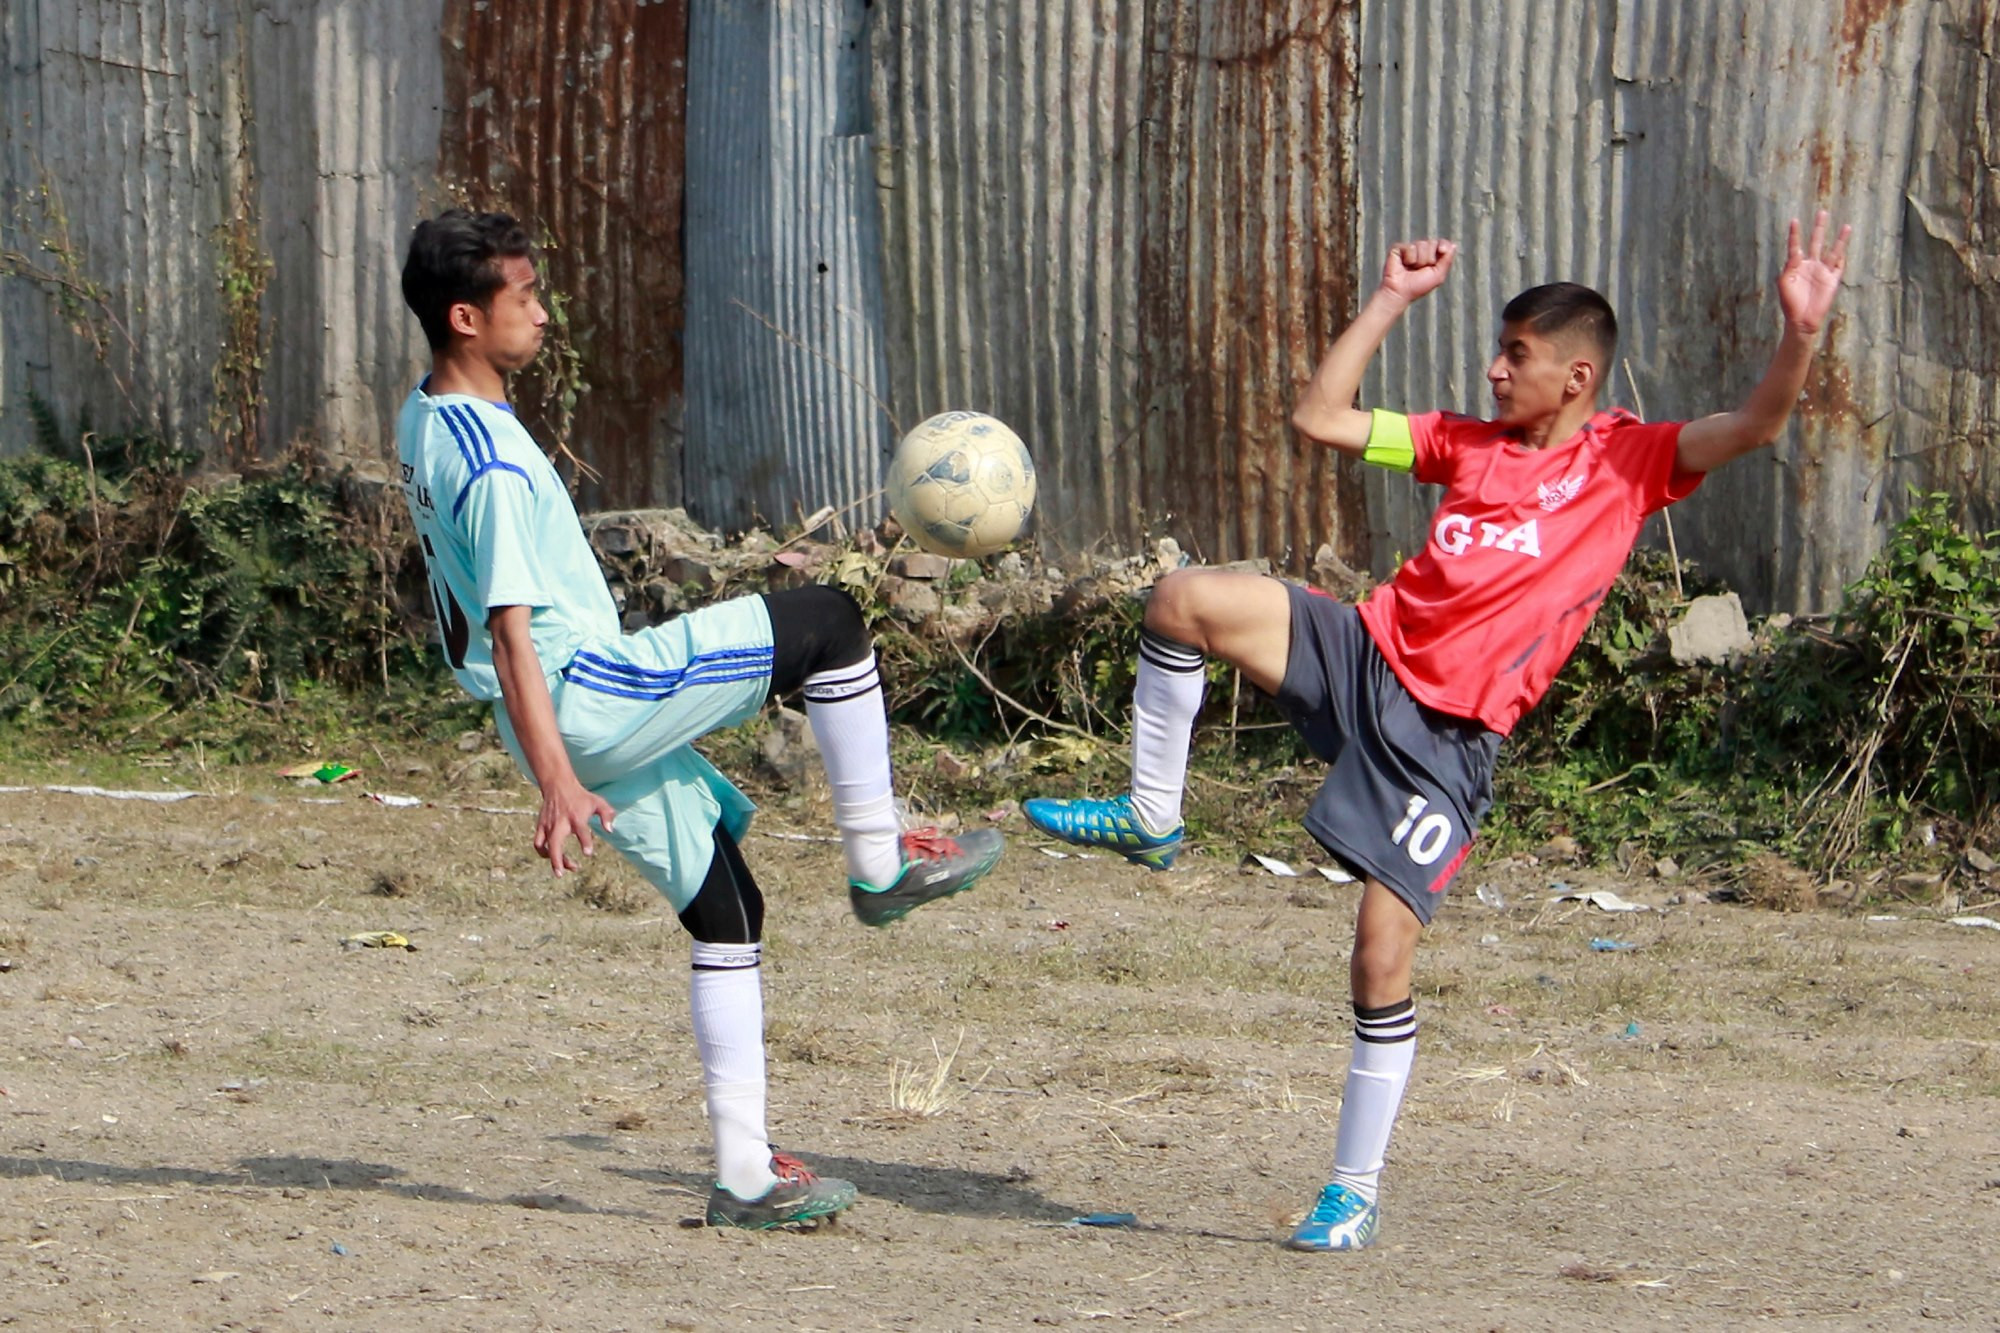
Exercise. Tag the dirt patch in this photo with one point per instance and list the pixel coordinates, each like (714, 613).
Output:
(218, 1117)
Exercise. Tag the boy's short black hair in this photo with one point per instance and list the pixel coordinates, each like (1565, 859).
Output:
(1567, 310)
(455, 257)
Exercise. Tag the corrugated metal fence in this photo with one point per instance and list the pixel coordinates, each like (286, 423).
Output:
(1127, 226)
(1655, 149)
(784, 246)
(1120, 227)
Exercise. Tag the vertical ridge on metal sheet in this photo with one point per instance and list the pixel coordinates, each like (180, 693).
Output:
(1948, 361)
(1112, 222)
(1716, 164)
(783, 312)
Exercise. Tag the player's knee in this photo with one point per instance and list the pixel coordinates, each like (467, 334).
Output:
(1174, 610)
(814, 629)
(729, 909)
(1380, 970)
(847, 636)
(725, 915)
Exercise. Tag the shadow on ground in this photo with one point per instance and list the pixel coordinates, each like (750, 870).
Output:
(928, 1189)
(301, 1173)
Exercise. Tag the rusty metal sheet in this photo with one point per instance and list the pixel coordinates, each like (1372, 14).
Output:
(156, 123)
(1246, 273)
(1654, 149)
(340, 160)
(1491, 124)
(570, 114)
(1736, 119)
(786, 362)
(1120, 226)
(112, 109)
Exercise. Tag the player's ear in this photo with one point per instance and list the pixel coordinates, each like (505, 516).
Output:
(1582, 378)
(463, 318)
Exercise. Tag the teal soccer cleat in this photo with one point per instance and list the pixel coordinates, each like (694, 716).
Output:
(798, 1196)
(1340, 1220)
(1113, 825)
(934, 866)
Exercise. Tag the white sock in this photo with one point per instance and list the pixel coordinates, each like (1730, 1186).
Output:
(1164, 704)
(850, 723)
(726, 999)
(1385, 1046)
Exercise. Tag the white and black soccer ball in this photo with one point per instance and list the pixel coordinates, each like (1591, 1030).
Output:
(961, 484)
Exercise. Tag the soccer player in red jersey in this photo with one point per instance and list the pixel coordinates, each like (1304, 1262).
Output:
(1408, 696)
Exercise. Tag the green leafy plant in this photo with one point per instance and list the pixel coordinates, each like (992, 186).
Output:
(1923, 629)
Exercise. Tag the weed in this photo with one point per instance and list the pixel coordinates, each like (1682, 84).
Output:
(1923, 628)
(913, 1092)
(50, 259)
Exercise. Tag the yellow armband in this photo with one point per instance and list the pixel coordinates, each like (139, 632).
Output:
(1389, 443)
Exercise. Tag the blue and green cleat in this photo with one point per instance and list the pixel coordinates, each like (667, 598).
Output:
(1113, 825)
(797, 1196)
(1340, 1220)
(934, 866)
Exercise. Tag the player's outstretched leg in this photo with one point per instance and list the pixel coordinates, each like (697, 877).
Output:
(1347, 1214)
(754, 1187)
(1243, 619)
(821, 646)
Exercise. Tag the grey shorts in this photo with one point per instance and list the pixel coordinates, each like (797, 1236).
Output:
(1408, 785)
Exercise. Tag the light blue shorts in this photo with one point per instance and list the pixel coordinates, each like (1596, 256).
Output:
(630, 710)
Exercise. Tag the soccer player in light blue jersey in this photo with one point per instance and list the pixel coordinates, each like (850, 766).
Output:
(603, 722)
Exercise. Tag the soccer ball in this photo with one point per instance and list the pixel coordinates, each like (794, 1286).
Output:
(961, 484)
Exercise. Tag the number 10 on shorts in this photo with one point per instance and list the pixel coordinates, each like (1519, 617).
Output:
(1428, 834)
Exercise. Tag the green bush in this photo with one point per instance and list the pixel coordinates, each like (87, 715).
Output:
(131, 589)
(1915, 696)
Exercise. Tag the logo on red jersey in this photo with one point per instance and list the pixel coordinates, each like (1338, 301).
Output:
(1554, 497)
(1454, 536)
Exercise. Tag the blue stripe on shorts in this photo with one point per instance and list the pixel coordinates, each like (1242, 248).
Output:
(627, 681)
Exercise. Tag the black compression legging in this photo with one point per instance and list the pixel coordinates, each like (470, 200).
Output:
(813, 629)
(730, 907)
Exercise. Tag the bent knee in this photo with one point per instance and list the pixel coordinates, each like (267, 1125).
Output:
(1241, 618)
(1180, 604)
(814, 629)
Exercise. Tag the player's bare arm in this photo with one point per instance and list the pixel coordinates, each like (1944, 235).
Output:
(1325, 410)
(1806, 290)
(566, 806)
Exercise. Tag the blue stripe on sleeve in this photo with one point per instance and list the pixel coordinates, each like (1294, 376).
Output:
(475, 442)
(485, 435)
(478, 472)
(464, 445)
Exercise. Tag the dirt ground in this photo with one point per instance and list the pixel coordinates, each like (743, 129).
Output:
(218, 1117)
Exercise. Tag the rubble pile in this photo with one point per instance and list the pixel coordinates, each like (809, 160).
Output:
(660, 563)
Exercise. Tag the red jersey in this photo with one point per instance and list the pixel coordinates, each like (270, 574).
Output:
(1520, 553)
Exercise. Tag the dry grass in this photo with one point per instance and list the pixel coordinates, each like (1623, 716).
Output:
(1769, 881)
(1175, 1051)
(922, 1094)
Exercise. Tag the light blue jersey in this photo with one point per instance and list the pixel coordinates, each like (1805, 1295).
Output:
(498, 529)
